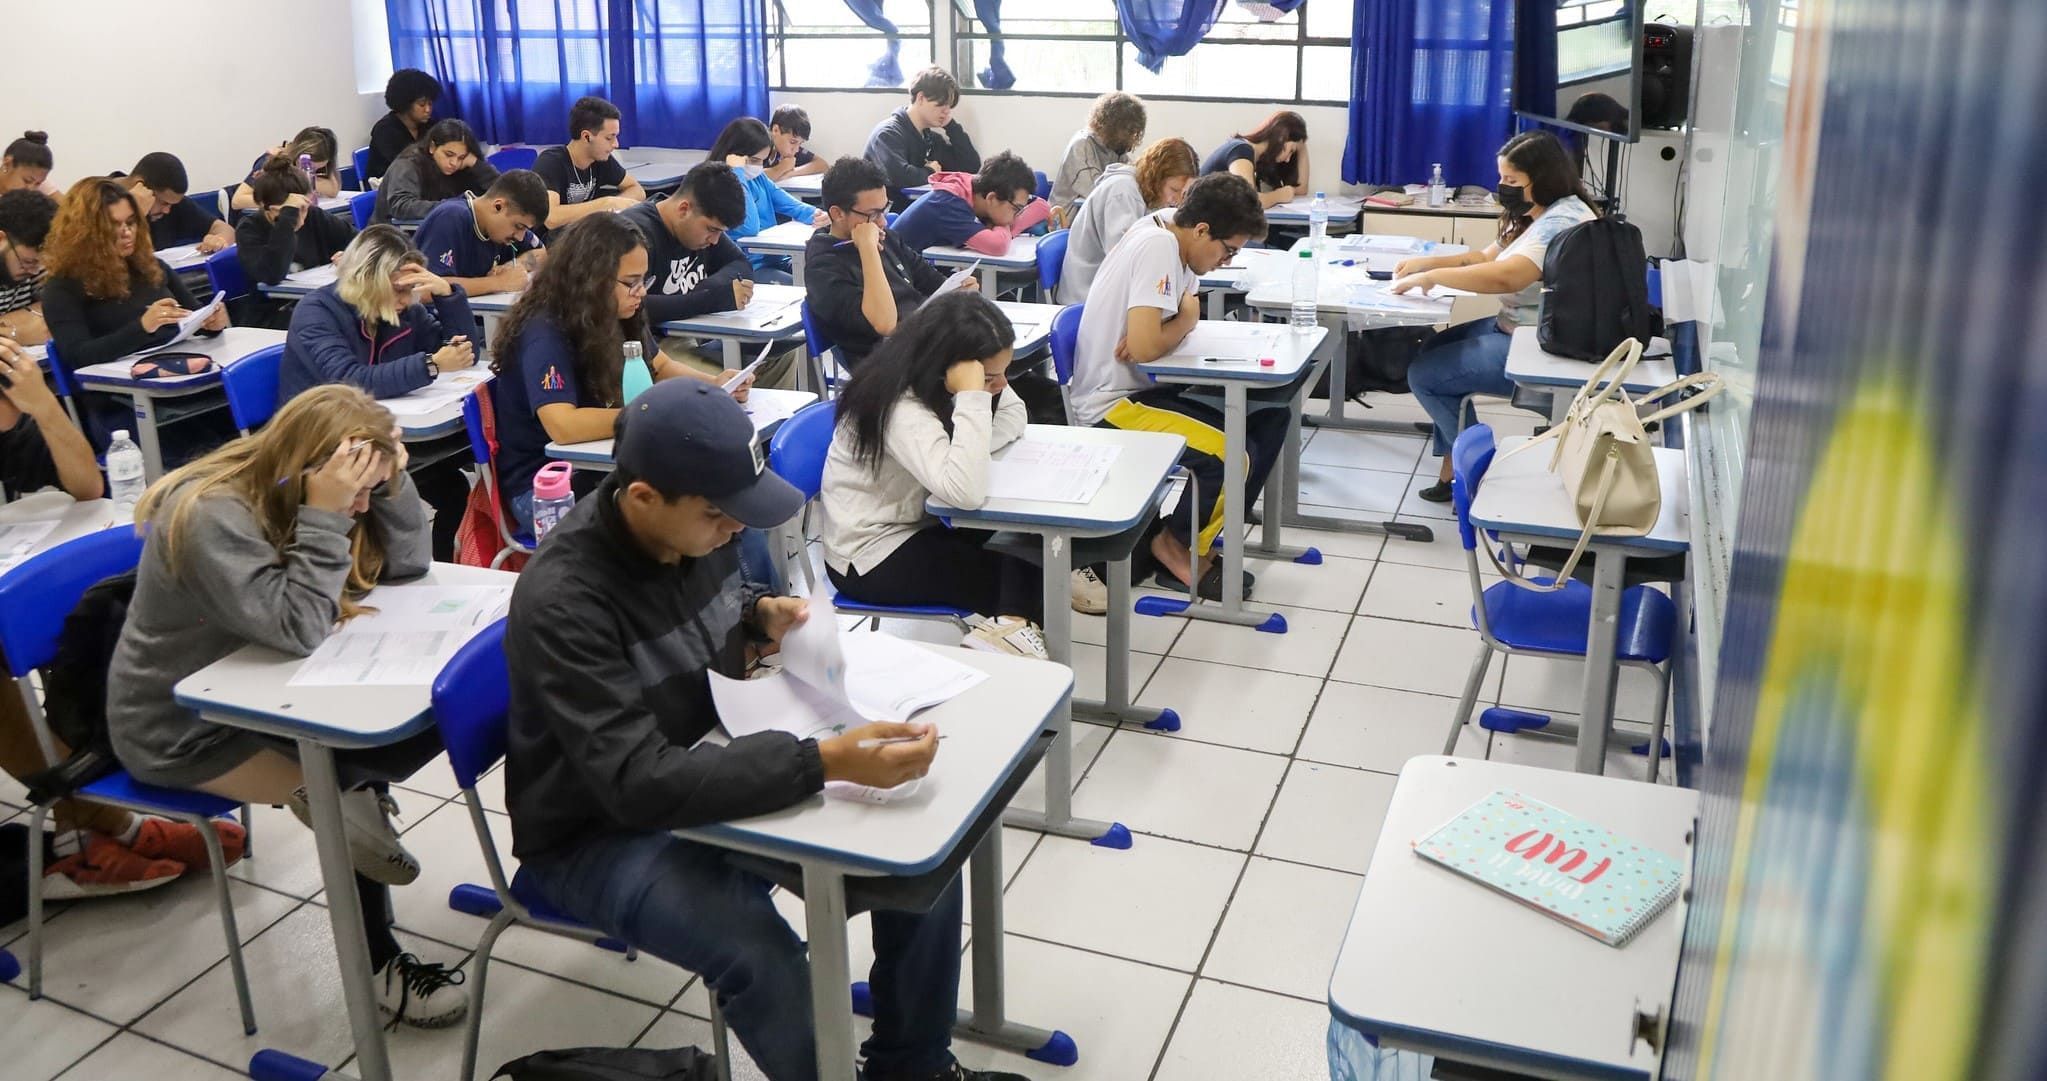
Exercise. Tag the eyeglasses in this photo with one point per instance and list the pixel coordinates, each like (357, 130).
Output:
(876, 216)
(1023, 206)
(128, 226)
(636, 285)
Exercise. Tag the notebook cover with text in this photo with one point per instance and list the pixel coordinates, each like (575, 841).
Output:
(1584, 875)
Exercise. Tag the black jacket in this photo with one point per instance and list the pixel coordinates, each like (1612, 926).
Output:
(833, 282)
(267, 249)
(86, 330)
(685, 283)
(901, 150)
(388, 139)
(608, 651)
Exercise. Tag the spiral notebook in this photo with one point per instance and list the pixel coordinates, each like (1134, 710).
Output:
(1558, 864)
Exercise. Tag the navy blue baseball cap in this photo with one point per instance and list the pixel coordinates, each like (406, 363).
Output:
(688, 437)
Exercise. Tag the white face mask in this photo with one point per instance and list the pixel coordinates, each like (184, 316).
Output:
(754, 169)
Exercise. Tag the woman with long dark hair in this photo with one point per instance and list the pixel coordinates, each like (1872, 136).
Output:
(1540, 196)
(445, 163)
(1272, 158)
(921, 417)
(745, 145)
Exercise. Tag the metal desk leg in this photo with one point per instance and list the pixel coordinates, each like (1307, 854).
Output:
(831, 1008)
(1231, 610)
(796, 266)
(145, 436)
(1287, 485)
(733, 359)
(1218, 302)
(1115, 706)
(1339, 395)
(344, 912)
(1058, 817)
(988, 1021)
(1595, 723)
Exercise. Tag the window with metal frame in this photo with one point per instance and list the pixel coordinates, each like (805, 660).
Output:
(847, 44)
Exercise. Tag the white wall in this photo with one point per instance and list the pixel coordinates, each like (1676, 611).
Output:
(215, 82)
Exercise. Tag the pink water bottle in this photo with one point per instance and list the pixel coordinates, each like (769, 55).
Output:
(553, 498)
(312, 175)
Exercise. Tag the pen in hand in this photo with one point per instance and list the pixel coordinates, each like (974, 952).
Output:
(870, 744)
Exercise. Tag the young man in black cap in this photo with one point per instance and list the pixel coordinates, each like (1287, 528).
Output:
(615, 626)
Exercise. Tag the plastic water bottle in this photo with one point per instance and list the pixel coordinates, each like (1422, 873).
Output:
(1439, 192)
(1306, 298)
(1318, 223)
(306, 167)
(635, 376)
(125, 472)
(553, 498)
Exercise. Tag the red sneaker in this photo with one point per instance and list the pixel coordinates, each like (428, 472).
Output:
(164, 839)
(104, 869)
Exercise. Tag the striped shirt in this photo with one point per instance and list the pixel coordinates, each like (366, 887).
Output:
(16, 295)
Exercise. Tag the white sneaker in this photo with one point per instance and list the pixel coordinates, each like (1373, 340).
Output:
(1090, 594)
(373, 846)
(1015, 637)
(420, 993)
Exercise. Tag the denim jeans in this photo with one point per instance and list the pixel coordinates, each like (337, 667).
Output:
(687, 904)
(1467, 359)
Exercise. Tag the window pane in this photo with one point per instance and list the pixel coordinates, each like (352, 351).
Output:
(843, 63)
(833, 16)
(1072, 67)
(1218, 70)
(1046, 17)
(1325, 73)
(1240, 23)
(1329, 18)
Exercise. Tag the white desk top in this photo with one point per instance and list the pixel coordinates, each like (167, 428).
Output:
(250, 688)
(1342, 208)
(775, 312)
(1529, 365)
(1124, 498)
(1521, 497)
(809, 186)
(226, 349)
(302, 282)
(1336, 292)
(1436, 963)
(185, 257)
(1033, 323)
(987, 730)
(1022, 255)
(1236, 359)
(765, 405)
(436, 409)
(338, 202)
(786, 238)
(1450, 209)
(74, 519)
(658, 174)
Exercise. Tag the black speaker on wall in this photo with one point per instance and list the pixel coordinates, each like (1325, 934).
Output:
(1666, 75)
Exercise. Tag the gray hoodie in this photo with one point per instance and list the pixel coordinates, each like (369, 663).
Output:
(1102, 221)
(235, 590)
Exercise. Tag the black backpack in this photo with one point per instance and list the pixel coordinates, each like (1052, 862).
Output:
(612, 1064)
(1595, 290)
(75, 687)
(1377, 360)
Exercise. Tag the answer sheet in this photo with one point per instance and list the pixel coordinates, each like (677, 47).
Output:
(19, 539)
(405, 640)
(1225, 340)
(1051, 471)
(953, 282)
(435, 396)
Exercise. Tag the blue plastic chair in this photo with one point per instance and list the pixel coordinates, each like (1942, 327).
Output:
(210, 206)
(797, 455)
(1511, 619)
(251, 386)
(35, 599)
(1044, 183)
(1065, 339)
(360, 208)
(1051, 257)
(361, 160)
(487, 472)
(67, 387)
(816, 345)
(224, 272)
(506, 159)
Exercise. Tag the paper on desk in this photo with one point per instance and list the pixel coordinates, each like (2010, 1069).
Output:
(315, 277)
(411, 633)
(190, 324)
(19, 539)
(952, 283)
(1378, 242)
(881, 678)
(1226, 340)
(176, 254)
(435, 396)
(766, 405)
(1376, 295)
(1051, 471)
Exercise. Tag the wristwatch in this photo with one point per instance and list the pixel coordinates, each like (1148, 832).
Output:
(433, 371)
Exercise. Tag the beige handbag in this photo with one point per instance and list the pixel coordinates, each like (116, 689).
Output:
(1604, 456)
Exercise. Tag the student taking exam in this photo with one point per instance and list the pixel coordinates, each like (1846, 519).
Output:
(485, 243)
(981, 212)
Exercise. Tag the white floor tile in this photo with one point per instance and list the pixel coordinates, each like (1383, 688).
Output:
(1148, 634)
(128, 1055)
(1244, 1035)
(1334, 585)
(1328, 816)
(1157, 901)
(1413, 505)
(1118, 1012)
(1179, 788)
(286, 858)
(523, 1012)
(1352, 489)
(1089, 662)
(1548, 684)
(119, 956)
(1378, 728)
(1331, 542)
(490, 788)
(1283, 929)
(39, 1040)
(1306, 648)
(1444, 551)
(1418, 594)
(445, 844)
(1258, 711)
(435, 778)
(1551, 752)
(1365, 450)
(1088, 741)
(1412, 657)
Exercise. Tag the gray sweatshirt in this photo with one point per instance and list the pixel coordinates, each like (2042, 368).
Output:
(1081, 168)
(234, 590)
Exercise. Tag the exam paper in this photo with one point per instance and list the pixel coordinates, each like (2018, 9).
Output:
(18, 541)
(1225, 340)
(766, 405)
(952, 283)
(405, 640)
(315, 277)
(1376, 242)
(436, 396)
(190, 324)
(1051, 471)
(880, 678)
(177, 254)
(1376, 295)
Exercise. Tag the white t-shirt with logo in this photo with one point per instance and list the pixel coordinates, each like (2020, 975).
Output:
(1143, 270)
(1524, 309)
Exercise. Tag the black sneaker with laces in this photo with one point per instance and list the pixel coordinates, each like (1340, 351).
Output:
(1438, 492)
(420, 993)
(957, 1072)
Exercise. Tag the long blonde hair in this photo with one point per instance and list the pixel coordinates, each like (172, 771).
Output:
(367, 264)
(267, 471)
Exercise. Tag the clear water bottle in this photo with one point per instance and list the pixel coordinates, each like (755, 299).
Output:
(1306, 298)
(306, 167)
(635, 376)
(1318, 224)
(125, 473)
(1439, 192)
(553, 497)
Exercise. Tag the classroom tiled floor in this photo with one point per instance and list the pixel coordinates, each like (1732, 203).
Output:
(1200, 953)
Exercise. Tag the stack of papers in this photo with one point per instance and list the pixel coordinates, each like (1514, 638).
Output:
(18, 541)
(449, 389)
(1394, 245)
(404, 640)
(766, 405)
(953, 282)
(182, 253)
(190, 324)
(1375, 295)
(1051, 471)
(1220, 339)
(315, 277)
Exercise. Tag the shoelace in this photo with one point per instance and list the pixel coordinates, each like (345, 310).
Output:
(422, 978)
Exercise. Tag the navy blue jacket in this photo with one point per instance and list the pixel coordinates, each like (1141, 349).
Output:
(328, 344)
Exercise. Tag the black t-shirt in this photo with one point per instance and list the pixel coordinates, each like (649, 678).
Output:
(575, 185)
(181, 224)
(25, 462)
(803, 157)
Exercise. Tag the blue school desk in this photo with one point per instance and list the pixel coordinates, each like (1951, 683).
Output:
(1020, 261)
(113, 377)
(787, 239)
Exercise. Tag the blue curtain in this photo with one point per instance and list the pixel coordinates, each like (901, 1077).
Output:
(1431, 82)
(678, 70)
(1163, 28)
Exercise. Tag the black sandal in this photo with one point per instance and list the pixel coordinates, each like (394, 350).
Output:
(1438, 492)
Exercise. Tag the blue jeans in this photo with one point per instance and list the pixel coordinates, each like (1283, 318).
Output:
(1467, 359)
(687, 904)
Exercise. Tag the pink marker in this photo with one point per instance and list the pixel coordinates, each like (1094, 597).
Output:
(1267, 362)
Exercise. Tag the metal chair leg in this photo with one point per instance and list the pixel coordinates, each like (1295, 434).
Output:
(1479, 666)
(248, 833)
(1662, 719)
(479, 974)
(720, 1046)
(35, 901)
(218, 861)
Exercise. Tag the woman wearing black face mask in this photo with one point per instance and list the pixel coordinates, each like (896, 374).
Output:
(1540, 196)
